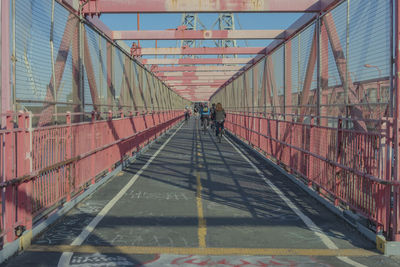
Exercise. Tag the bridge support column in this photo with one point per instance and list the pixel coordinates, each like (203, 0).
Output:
(5, 104)
(396, 194)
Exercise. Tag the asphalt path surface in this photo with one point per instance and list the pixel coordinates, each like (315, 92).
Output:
(191, 201)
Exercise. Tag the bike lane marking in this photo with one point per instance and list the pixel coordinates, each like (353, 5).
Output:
(66, 256)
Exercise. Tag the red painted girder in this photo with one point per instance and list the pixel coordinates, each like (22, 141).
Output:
(195, 68)
(194, 92)
(198, 35)
(197, 6)
(181, 87)
(186, 83)
(305, 94)
(5, 90)
(194, 78)
(196, 74)
(187, 61)
(201, 51)
(90, 72)
(100, 25)
(59, 66)
(288, 77)
(341, 64)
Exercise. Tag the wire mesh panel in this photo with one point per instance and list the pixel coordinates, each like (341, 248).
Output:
(43, 79)
(369, 61)
(333, 62)
(331, 81)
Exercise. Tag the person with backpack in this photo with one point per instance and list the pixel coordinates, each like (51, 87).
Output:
(212, 113)
(219, 119)
(204, 115)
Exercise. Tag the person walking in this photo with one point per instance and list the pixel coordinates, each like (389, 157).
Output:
(219, 120)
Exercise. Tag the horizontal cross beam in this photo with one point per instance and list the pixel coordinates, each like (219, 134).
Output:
(201, 51)
(195, 78)
(158, 69)
(196, 6)
(193, 61)
(199, 35)
(192, 87)
(197, 84)
(196, 74)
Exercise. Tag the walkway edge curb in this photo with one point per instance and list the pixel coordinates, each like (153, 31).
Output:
(343, 214)
(12, 248)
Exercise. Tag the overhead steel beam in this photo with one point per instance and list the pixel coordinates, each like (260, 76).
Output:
(196, 74)
(192, 61)
(201, 51)
(157, 69)
(199, 35)
(182, 87)
(209, 6)
(194, 93)
(195, 84)
(196, 78)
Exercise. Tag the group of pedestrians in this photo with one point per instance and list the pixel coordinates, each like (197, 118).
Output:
(214, 115)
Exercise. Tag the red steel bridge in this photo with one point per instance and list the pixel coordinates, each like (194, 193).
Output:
(99, 168)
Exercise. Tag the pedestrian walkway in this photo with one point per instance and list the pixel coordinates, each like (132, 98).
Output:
(191, 201)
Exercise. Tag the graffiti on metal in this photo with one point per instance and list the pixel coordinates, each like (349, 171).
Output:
(234, 261)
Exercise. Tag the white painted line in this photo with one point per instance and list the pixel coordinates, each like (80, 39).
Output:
(66, 256)
(307, 221)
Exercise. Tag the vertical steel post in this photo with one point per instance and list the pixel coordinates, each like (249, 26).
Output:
(24, 197)
(284, 82)
(288, 77)
(318, 48)
(392, 62)
(396, 194)
(324, 72)
(93, 146)
(52, 59)
(110, 77)
(76, 62)
(81, 87)
(5, 60)
(9, 193)
(346, 80)
(68, 155)
(101, 74)
(13, 59)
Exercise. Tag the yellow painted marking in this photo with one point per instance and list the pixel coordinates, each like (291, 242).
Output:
(203, 251)
(202, 231)
(380, 243)
(199, 154)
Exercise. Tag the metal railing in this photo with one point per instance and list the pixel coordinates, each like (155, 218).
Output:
(353, 169)
(41, 168)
